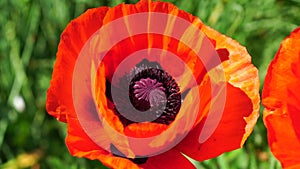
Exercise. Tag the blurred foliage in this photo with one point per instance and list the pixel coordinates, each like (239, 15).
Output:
(30, 30)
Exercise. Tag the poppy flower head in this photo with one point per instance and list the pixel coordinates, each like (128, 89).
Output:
(144, 82)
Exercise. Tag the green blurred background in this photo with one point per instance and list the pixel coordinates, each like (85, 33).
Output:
(29, 35)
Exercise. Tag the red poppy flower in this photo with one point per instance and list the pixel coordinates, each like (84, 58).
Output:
(141, 85)
(281, 100)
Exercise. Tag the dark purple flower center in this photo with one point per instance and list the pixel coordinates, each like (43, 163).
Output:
(154, 96)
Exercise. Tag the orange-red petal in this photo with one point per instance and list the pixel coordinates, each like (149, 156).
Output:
(240, 73)
(59, 95)
(172, 159)
(281, 101)
(229, 132)
(80, 145)
(242, 104)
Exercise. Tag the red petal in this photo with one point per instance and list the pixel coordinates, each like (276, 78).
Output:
(280, 72)
(282, 139)
(229, 133)
(145, 6)
(80, 145)
(293, 106)
(172, 159)
(281, 101)
(239, 72)
(59, 96)
(142, 130)
(240, 115)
